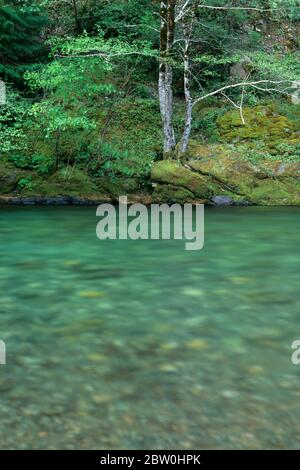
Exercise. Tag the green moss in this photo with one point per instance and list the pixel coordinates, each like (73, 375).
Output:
(10, 177)
(224, 167)
(116, 187)
(173, 173)
(66, 182)
(40, 187)
(262, 123)
(264, 181)
(167, 193)
(197, 150)
(72, 181)
(272, 192)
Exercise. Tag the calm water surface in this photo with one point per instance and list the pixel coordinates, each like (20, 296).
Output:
(141, 344)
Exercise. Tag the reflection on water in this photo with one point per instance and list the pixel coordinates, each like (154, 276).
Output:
(141, 344)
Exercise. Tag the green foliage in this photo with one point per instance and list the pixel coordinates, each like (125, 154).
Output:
(205, 123)
(67, 114)
(40, 163)
(77, 124)
(285, 8)
(20, 28)
(99, 46)
(25, 183)
(130, 20)
(114, 161)
(285, 152)
(13, 116)
(133, 139)
(286, 108)
(289, 152)
(276, 66)
(116, 18)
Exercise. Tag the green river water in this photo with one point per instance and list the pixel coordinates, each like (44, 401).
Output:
(143, 345)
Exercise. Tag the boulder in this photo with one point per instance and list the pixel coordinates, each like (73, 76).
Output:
(9, 178)
(262, 124)
(240, 70)
(173, 173)
(120, 186)
(222, 201)
(72, 182)
(223, 175)
(167, 193)
(296, 92)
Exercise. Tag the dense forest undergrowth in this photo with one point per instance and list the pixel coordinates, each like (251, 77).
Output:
(84, 115)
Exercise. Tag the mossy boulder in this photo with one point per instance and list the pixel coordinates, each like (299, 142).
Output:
(265, 182)
(65, 182)
(9, 178)
(167, 193)
(289, 169)
(116, 187)
(72, 181)
(224, 167)
(228, 176)
(262, 123)
(272, 192)
(173, 173)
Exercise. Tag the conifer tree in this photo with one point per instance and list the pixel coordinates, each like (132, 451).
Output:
(20, 42)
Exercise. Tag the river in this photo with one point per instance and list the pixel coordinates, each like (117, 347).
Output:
(143, 345)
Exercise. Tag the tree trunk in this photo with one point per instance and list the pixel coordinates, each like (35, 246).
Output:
(165, 84)
(56, 153)
(2, 93)
(187, 93)
(76, 17)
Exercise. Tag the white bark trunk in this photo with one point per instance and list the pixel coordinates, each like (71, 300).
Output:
(165, 83)
(187, 94)
(168, 115)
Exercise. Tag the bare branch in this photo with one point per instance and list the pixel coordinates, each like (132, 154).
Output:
(212, 7)
(245, 84)
(182, 11)
(141, 26)
(104, 55)
(230, 100)
(241, 105)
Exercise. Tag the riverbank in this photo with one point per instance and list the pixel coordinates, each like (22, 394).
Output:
(211, 174)
(67, 200)
(81, 201)
(253, 164)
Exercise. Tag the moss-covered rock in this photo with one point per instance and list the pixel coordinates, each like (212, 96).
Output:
(9, 178)
(65, 182)
(262, 123)
(173, 173)
(116, 187)
(167, 193)
(72, 181)
(224, 167)
(272, 192)
(224, 172)
(265, 182)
